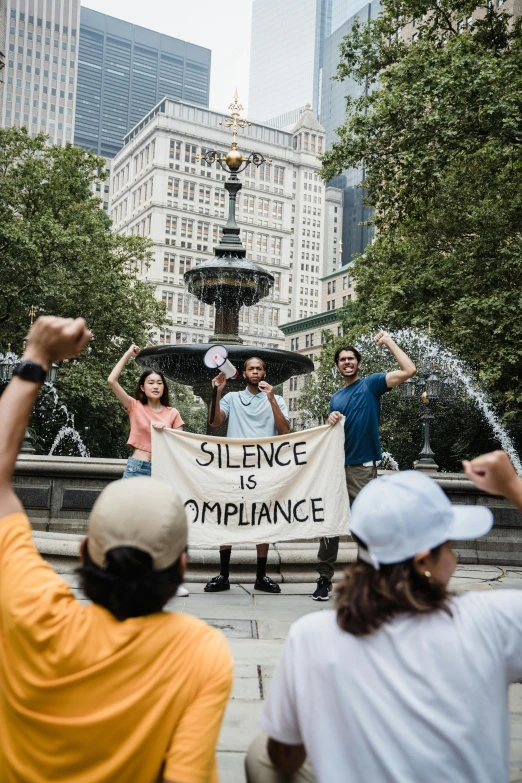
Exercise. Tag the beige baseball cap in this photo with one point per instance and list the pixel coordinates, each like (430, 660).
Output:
(140, 512)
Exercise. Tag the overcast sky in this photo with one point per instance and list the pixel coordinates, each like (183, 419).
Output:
(220, 25)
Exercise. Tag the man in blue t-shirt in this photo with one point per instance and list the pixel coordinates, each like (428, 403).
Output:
(359, 401)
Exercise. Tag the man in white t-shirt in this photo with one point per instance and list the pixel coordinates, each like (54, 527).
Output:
(254, 412)
(411, 694)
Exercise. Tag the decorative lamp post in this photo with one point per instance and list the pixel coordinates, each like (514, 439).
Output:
(229, 281)
(427, 388)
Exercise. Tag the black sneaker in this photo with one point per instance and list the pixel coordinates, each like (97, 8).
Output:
(322, 591)
(267, 585)
(217, 584)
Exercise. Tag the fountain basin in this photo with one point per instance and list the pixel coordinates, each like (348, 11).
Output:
(229, 280)
(184, 364)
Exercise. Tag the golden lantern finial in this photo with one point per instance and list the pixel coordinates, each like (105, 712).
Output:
(32, 313)
(235, 121)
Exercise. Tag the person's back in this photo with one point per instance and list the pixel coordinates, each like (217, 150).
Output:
(403, 683)
(87, 698)
(118, 691)
(423, 698)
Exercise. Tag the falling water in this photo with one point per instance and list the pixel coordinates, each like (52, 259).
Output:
(68, 430)
(414, 341)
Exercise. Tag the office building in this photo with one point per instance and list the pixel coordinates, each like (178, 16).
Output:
(40, 73)
(124, 71)
(355, 236)
(3, 22)
(286, 58)
(161, 189)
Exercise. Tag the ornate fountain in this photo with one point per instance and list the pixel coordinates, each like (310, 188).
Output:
(229, 282)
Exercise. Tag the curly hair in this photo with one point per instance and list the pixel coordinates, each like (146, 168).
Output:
(367, 598)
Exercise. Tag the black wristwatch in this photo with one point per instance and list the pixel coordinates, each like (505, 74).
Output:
(30, 371)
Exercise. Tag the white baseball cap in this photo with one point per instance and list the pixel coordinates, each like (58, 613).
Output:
(139, 512)
(400, 516)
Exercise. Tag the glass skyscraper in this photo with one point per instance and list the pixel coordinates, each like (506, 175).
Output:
(333, 114)
(286, 58)
(123, 71)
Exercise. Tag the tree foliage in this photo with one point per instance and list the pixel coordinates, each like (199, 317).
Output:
(439, 129)
(59, 254)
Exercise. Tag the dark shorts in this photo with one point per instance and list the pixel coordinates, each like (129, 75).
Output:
(136, 467)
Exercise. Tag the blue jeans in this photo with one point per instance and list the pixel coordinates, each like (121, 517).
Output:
(136, 467)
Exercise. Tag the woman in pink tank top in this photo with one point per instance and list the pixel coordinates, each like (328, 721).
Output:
(149, 405)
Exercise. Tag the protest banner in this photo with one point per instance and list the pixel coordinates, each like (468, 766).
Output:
(256, 491)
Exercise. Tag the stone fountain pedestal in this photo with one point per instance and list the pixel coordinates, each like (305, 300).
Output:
(59, 492)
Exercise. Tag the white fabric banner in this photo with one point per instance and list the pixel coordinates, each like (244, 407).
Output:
(262, 490)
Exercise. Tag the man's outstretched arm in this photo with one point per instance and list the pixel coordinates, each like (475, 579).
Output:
(406, 367)
(50, 340)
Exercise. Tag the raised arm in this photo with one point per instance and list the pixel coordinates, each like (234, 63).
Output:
(50, 340)
(494, 473)
(113, 379)
(407, 368)
(219, 383)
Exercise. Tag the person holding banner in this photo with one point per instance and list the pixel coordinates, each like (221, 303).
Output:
(359, 402)
(149, 405)
(254, 412)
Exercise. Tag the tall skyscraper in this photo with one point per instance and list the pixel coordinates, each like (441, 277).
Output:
(40, 74)
(124, 71)
(3, 20)
(286, 58)
(333, 115)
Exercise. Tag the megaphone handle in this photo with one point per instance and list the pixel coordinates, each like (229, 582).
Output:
(213, 404)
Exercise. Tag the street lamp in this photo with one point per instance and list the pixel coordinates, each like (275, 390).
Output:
(425, 389)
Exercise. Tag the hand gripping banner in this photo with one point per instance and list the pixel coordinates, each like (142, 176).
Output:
(262, 490)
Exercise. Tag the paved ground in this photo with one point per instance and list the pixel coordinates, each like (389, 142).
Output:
(256, 624)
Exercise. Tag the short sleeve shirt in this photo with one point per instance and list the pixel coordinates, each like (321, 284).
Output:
(87, 698)
(250, 415)
(423, 698)
(141, 417)
(360, 404)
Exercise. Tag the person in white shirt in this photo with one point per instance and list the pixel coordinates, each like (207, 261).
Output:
(404, 682)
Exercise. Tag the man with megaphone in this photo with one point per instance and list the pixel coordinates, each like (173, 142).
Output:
(254, 412)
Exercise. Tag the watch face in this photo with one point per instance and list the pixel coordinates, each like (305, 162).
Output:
(30, 371)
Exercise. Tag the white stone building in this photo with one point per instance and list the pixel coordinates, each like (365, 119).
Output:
(161, 189)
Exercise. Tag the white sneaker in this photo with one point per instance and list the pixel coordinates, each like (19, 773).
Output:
(182, 592)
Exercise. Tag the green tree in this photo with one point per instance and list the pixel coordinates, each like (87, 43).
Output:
(58, 253)
(439, 129)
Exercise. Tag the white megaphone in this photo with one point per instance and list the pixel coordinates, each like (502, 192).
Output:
(217, 358)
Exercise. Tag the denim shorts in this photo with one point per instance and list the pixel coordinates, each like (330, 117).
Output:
(136, 467)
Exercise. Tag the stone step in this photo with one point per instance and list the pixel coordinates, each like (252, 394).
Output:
(288, 561)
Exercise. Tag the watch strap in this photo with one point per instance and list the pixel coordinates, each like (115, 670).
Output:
(30, 371)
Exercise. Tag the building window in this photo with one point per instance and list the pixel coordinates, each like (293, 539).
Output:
(175, 150)
(171, 223)
(190, 153)
(173, 188)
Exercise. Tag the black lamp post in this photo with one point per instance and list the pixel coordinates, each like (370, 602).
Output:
(427, 388)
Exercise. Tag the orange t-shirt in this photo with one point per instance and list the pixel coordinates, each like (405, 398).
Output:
(87, 699)
(141, 416)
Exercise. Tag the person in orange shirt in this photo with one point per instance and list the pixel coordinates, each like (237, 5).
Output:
(117, 691)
